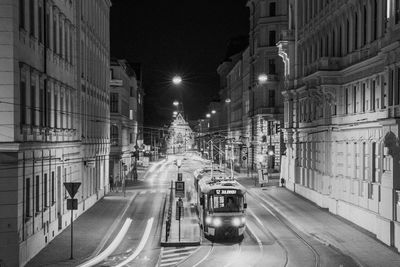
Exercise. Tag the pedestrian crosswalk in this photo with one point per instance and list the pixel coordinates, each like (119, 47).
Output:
(173, 256)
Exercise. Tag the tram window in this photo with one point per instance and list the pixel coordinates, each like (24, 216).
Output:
(225, 203)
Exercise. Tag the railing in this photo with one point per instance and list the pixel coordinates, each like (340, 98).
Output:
(169, 214)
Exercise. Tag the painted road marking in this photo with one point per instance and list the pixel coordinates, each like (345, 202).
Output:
(141, 244)
(117, 240)
(173, 256)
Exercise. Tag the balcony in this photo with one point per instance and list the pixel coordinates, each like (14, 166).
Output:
(264, 110)
(116, 82)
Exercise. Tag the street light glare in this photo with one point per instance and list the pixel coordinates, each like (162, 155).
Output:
(262, 78)
(177, 80)
(228, 100)
(175, 113)
(208, 115)
(213, 111)
(175, 103)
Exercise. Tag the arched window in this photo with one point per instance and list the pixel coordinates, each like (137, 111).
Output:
(364, 25)
(333, 53)
(347, 37)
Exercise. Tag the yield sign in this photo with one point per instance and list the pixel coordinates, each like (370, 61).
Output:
(72, 188)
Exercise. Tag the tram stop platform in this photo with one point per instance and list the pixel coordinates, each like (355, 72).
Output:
(190, 234)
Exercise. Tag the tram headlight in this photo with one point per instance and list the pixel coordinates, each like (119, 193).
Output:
(208, 220)
(236, 221)
(217, 222)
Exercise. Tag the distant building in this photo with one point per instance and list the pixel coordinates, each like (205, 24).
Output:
(180, 136)
(54, 123)
(342, 100)
(123, 120)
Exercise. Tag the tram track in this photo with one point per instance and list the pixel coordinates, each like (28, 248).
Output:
(271, 210)
(265, 230)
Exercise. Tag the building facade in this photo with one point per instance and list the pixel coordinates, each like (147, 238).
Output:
(41, 142)
(342, 99)
(267, 19)
(124, 120)
(180, 136)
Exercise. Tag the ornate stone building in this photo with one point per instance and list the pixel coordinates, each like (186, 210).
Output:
(43, 125)
(268, 18)
(180, 136)
(342, 100)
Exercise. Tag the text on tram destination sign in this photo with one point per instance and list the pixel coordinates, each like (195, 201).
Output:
(225, 192)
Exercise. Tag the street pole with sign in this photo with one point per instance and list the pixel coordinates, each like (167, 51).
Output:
(72, 204)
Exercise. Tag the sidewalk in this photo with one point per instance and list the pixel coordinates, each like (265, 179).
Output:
(89, 231)
(92, 231)
(190, 228)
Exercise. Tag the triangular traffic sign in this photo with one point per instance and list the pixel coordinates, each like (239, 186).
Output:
(72, 188)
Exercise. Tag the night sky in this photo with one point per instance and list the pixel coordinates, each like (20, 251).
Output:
(168, 37)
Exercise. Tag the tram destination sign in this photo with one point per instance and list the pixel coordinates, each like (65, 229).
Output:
(225, 192)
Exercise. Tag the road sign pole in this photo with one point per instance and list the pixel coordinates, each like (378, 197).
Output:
(179, 210)
(72, 235)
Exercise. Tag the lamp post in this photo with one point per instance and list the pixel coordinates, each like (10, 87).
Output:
(177, 80)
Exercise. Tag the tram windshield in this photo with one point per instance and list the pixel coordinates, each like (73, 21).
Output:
(225, 203)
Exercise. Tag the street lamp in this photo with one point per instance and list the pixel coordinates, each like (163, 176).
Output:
(177, 79)
(208, 115)
(228, 100)
(175, 113)
(213, 111)
(175, 103)
(262, 78)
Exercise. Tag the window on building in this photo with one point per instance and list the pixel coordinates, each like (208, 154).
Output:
(27, 197)
(271, 98)
(340, 42)
(41, 106)
(373, 95)
(333, 52)
(22, 14)
(22, 100)
(348, 37)
(70, 47)
(397, 11)
(33, 102)
(114, 135)
(375, 21)
(47, 29)
(55, 47)
(60, 41)
(373, 162)
(45, 190)
(355, 31)
(56, 111)
(131, 139)
(37, 191)
(346, 101)
(62, 109)
(53, 199)
(363, 98)
(272, 38)
(114, 102)
(272, 9)
(32, 18)
(272, 69)
(355, 99)
(391, 85)
(40, 22)
(48, 107)
(365, 22)
(397, 87)
(66, 50)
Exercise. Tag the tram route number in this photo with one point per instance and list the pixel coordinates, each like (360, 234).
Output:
(225, 192)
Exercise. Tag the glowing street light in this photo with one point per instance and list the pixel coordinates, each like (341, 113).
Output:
(177, 79)
(262, 78)
(213, 111)
(208, 115)
(175, 113)
(228, 100)
(175, 103)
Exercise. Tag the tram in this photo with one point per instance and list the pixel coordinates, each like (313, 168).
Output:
(207, 172)
(222, 206)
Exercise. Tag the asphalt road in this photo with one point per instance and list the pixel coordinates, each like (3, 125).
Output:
(269, 240)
